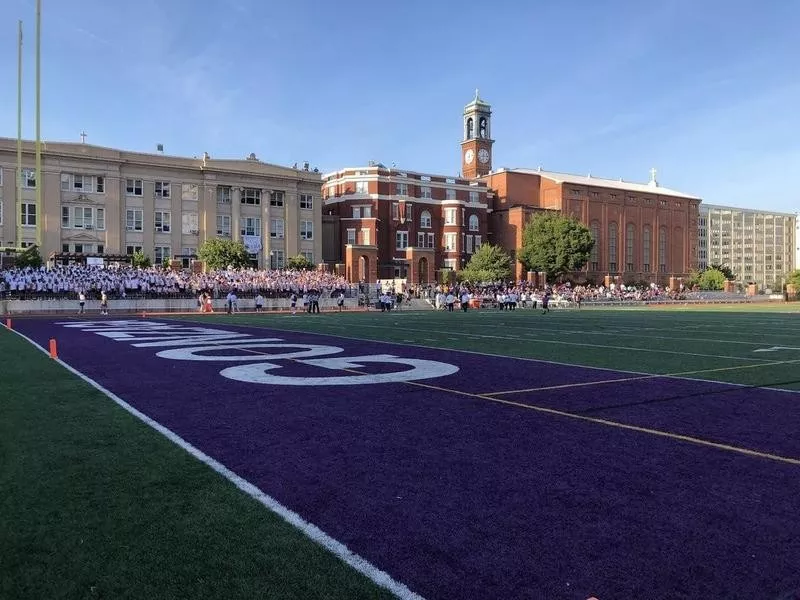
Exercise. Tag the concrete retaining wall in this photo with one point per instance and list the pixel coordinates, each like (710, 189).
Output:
(155, 305)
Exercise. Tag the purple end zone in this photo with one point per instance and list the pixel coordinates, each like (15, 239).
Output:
(459, 497)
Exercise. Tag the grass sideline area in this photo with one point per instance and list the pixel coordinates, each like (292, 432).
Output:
(96, 504)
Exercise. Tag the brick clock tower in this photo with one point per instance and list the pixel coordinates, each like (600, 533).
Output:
(476, 149)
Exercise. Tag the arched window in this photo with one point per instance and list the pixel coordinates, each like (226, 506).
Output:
(676, 249)
(483, 132)
(630, 231)
(662, 250)
(612, 247)
(425, 220)
(470, 128)
(474, 223)
(646, 249)
(594, 256)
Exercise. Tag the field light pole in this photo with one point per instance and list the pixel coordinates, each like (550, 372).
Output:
(39, 177)
(19, 138)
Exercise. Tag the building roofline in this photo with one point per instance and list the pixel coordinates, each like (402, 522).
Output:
(95, 152)
(747, 210)
(394, 170)
(569, 178)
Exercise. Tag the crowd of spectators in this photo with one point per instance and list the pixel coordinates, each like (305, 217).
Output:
(69, 281)
(524, 294)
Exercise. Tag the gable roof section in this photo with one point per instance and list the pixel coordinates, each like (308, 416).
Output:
(643, 188)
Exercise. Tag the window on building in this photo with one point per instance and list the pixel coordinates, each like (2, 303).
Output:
(251, 196)
(82, 183)
(351, 236)
(306, 201)
(133, 187)
(306, 230)
(162, 189)
(65, 217)
(308, 255)
(430, 238)
(629, 240)
(477, 242)
(277, 259)
(449, 194)
(362, 187)
(82, 217)
(450, 263)
(395, 211)
(474, 223)
(401, 240)
(276, 228)
(420, 239)
(162, 221)
(450, 242)
(133, 219)
(365, 236)
(65, 247)
(80, 248)
(29, 178)
(409, 213)
(469, 244)
(1, 202)
(356, 212)
(449, 216)
(425, 192)
(252, 226)
(100, 218)
(612, 247)
(662, 250)
(401, 189)
(224, 194)
(161, 253)
(276, 198)
(646, 249)
(224, 225)
(425, 219)
(130, 250)
(594, 255)
(474, 197)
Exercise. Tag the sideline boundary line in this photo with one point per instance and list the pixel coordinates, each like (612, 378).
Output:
(475, 352)
(311, 531)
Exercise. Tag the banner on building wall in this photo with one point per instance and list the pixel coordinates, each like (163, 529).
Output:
(252, 243)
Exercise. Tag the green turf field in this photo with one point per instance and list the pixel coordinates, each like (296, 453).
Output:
(97, 505)
(716, 342)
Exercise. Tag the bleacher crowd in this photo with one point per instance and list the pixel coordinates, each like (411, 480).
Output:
(62, 282)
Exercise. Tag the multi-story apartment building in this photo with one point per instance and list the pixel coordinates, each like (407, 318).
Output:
(104, 201)
(758, 246)
(384, 223)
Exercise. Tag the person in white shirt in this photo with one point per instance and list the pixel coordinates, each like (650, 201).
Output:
(465, 298)
(259, 302)
(81, 302)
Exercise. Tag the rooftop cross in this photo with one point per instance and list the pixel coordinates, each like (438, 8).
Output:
(83, 137)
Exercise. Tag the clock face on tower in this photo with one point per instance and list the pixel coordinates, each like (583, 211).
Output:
(469, 156)
(483, 155)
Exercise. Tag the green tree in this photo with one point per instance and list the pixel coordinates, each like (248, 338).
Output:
(725, 270)
(220, 253)
(300, 263)
(489, 263)
(711, 279)
(29, 257)
(794, 278)
(555, 244)
(141, 260)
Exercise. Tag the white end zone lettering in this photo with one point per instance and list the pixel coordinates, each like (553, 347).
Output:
(192, 353)
(421, 369)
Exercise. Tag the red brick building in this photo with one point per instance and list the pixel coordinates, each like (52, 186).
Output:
(384, 223)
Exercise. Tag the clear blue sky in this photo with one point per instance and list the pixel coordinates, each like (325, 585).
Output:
(706, 91)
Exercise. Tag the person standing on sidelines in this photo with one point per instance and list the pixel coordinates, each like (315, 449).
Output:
(465, 300)
(293, 300)
(546, 302)
(259, 302)
(340, 301)
(81, 302)
(103, 303)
